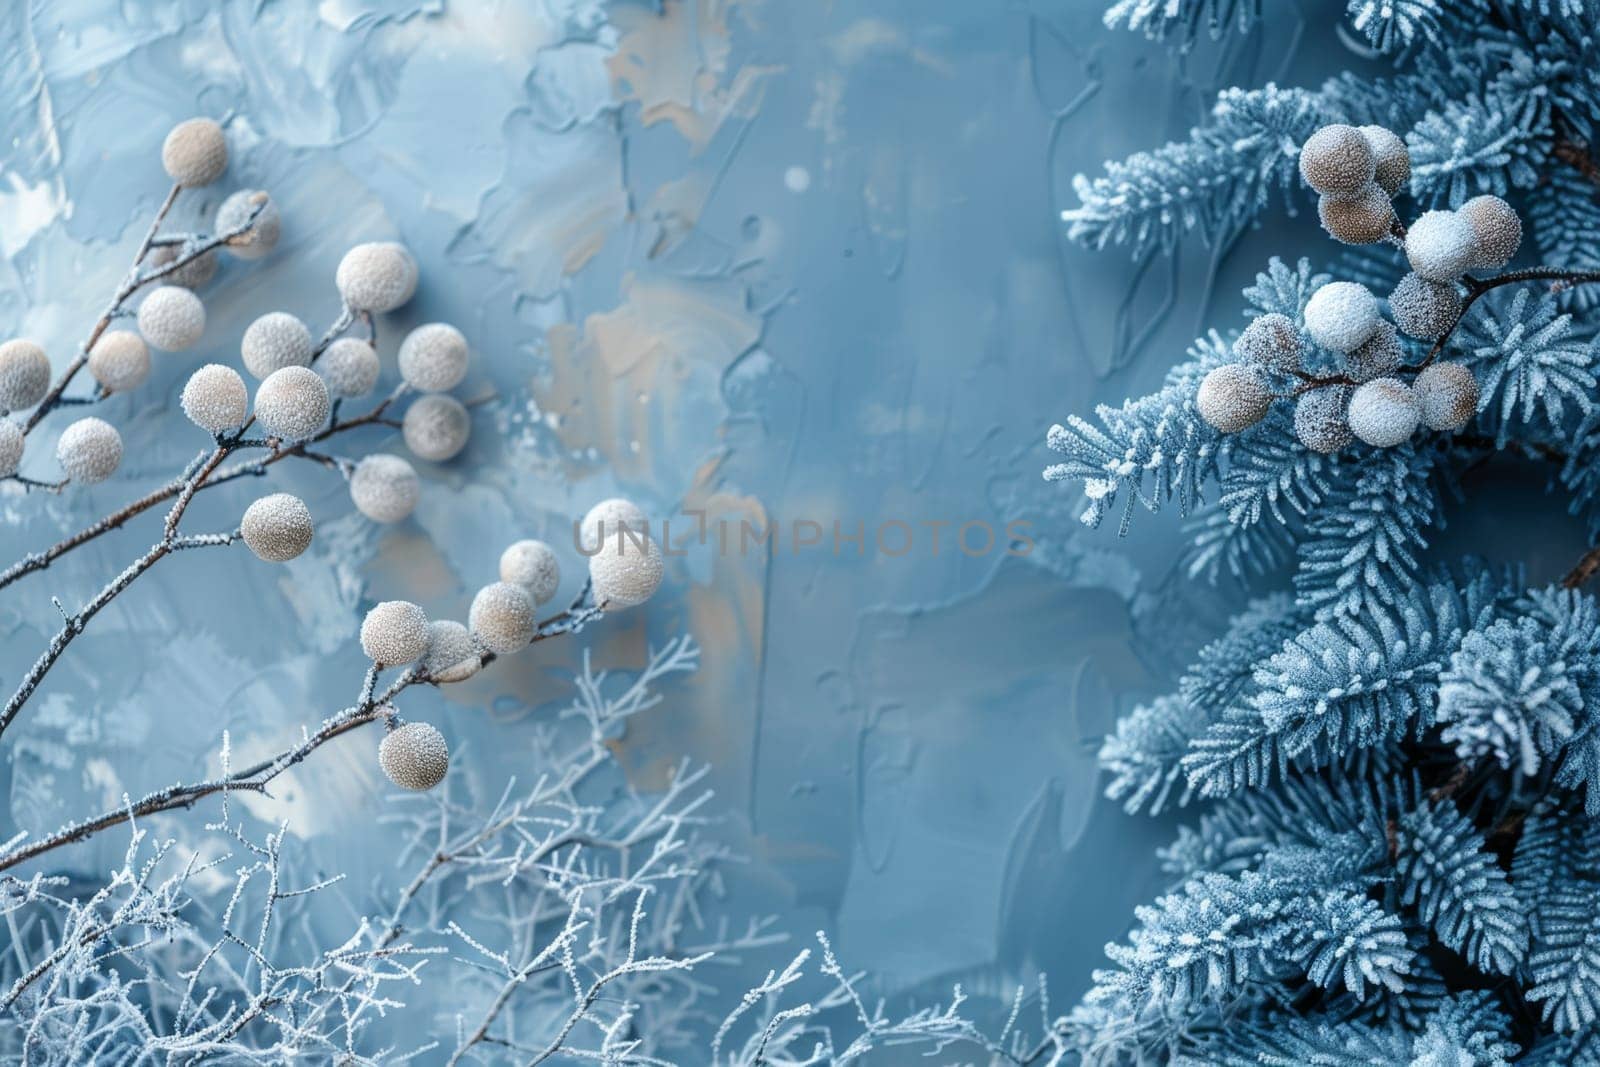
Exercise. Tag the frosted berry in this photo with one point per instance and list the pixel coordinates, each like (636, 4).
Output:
(379, 276)
(1424, 309)
(350, 367)
(502, 617)
(1378, 356)
(1233, 397)
(1384, 412)
(451, 655)
(258, 237)
(607, 519)
(1271, 341)
(433, 358)
(384, 487)
(1341, 315)
(394, 632)
(1337, 161)
(534, 566)
(119, 361)
(292, 403)
(193, 274)
(172, 318)
(1393, 159)
(1440, 246)
(12, 443)
(215, 398)
(24, 375)
(1363, 219)
(436, 427)
(1320, 420)
(1448, 394)
(626, 572)
(195, 152)
(274, 341)
(277, 527)
(1496, 231)
(414, 756)
(90, 450)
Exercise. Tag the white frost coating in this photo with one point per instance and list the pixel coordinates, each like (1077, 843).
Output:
(277, 527)
(12, 442)
(262, 236)
(292, 403)
(24, 374)
(436, 427)
(215, 398)
(451, 655)
(414, 756)
(350, 367)
(1424, 309)
(1319, 419)
(274, 341)
(1496, 231)
(193, 274)
(384, 487)
(433, 358)
(1440, 246)
(1385, 412)
(172, 318)
(1271, 341)
(626, 573)
(120, 360)
(1337, 161)
(502, 617)
(89, 450)
(534, 566)
(394, 632)
(379, 276)
(1378, 356)
(195, 152)
(1233, 397)
(1362, 219)
(607, 518)
(1393, 168)
(1448, 394)
(1341, 316)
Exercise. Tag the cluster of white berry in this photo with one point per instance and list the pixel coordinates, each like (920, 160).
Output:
(625, 570)
(1356, 171)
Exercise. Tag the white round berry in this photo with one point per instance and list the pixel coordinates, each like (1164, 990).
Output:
(1440, 246)
(436, 427)
(193, 274)
(534, 566)
(379, 276)
(452, 656)
(1384, 412)
(215, 398)
(433, 358)
(1496, 231)
(1378, 356)
(1233, 397)
(607, 519)
(350, 367)
(1393, 159)
(1271, 341)
(195, 152)
(1424, 309)
(172, 318)
(274, 341)
(89, 450)
(384, 487)
(1341, 315)
(24, 375)
(258, 237)
(502, 617)
(414, 756)
(1448, 394)
(120, 361)
(626, 572)
(1319, 418)
(1363, 219)
(277, 527)
(1337, 161)
(292, 403)
(12, 442)
(394, 632)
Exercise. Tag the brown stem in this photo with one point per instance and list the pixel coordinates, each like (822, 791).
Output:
(1576, 155)
(1587, 566)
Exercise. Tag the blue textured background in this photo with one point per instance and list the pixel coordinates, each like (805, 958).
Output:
(767, 258)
